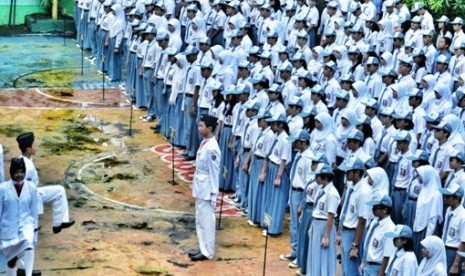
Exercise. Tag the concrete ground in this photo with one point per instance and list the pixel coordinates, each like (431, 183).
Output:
(129, 220)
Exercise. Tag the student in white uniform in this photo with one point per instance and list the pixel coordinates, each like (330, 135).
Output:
(454, 227)
(457, 174)
(300, 174)
(205, 189)
(54, 194)
(403, 261)
(402, 173)
(377, 247)
(354, 215)
(434, 257)
(321, 259)
(18, 210)
(428, 214)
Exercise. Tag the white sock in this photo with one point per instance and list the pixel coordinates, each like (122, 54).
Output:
(28, 261)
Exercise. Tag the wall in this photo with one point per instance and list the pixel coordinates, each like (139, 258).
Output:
(25, 7)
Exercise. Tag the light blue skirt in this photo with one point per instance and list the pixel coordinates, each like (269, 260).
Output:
(131, 74)
(115, 60)
(139, 85)
(243, 181)
(227, 160)
(302, 244)
(410, 207)
(321, 261)
(417, 238)
(165, 122)
(178, 123)
(255, 206)
(398, 199)
(279, 196)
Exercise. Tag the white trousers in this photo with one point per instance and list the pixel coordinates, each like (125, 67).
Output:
(55, 194)
(205, 226)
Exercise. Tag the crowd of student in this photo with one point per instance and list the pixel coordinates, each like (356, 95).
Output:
(353, 117)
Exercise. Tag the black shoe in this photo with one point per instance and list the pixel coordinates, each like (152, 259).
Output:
(57, 229)
(198, 257)
(193, 253)
(22, 272)
(12, 263)
(155, 127)
(189, 158)
(156, 131)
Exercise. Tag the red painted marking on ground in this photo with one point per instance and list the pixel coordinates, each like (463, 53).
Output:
(185, 172)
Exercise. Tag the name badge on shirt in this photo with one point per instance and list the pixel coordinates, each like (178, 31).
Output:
(191, 80)
(451, 232)
(276, 152)
(299, 171)
(384, 102)
(344, 146)
(247, 137)
(375, 243)
(321, 206)
(310, 192)
(430, 145)
(394, 272)
(416, 190)
(105, 24)
(403, 172)
(439, 164)
(352, 208)
(149, 57)
(317, 146)
(170, 77)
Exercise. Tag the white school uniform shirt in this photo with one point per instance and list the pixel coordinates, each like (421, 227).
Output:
(295, 124)
(430, 53)
(264, 142)
(457, 66)
(405, 264)
(150, 57)
(250, 134)
(312, 189)
(456, 177)
(207, 171)
(455, 234)
(405, 171)
(331, 86)
(327, 203)
(282, 150)
(205, 95)
(415, 186)
(427, 22)
(441, 163)
(217, 111)
(289, 90)
(94, 9)
(379, 246)
(374, 84)
(219, 20)
(377, 127)
(262, 97)
(419, 124)
(357, 205)
(303, 171)
(390, 132)
(193, 78)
